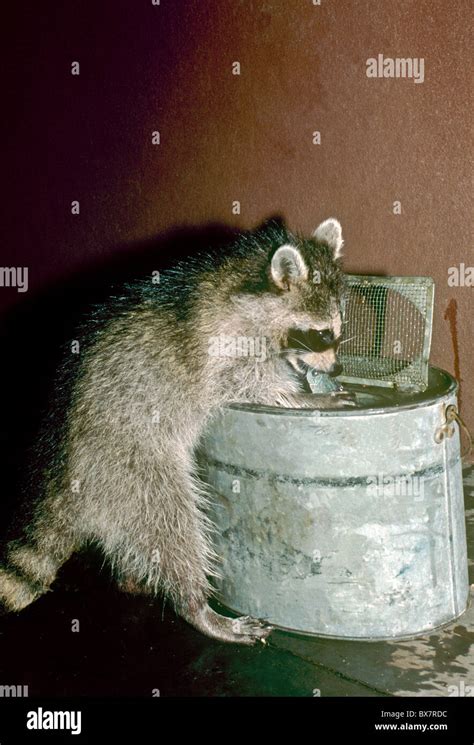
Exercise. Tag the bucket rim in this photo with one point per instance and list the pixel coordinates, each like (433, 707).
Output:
(441, 385)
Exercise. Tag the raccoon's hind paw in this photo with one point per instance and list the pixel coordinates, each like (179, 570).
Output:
(243, 630)
(251, 628)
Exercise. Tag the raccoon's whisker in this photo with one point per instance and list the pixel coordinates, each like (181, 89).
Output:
(304, 345)
(284, 352)
(281, 352)
(346, 340)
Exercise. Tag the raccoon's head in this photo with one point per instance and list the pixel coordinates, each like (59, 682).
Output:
(309, 281)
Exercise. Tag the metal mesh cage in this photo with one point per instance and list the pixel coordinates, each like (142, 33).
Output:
(387, 331)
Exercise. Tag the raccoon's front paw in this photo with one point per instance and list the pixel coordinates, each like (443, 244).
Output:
(334, 400)
(342, 399)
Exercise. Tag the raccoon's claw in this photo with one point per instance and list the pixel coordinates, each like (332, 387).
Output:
(345, 398)
(251, 628)
(341, 403)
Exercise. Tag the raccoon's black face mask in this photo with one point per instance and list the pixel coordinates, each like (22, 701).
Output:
(313, 340)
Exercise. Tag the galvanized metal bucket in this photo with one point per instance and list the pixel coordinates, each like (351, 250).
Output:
(346, 523)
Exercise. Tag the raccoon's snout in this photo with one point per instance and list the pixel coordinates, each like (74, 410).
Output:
(314, 349)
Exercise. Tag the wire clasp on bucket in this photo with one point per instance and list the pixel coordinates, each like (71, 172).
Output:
(447, 429)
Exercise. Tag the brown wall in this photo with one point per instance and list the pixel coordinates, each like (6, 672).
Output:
(249, 137)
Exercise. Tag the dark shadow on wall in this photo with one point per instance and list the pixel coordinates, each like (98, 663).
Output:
(33, 332)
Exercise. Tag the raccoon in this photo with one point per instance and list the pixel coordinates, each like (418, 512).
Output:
(116, 457)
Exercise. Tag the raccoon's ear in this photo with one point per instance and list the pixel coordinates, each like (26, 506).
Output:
(288, 267)
(330, 232)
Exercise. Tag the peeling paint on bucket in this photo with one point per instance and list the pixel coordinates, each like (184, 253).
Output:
(345, 523)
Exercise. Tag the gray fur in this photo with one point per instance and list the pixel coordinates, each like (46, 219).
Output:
(116, 457)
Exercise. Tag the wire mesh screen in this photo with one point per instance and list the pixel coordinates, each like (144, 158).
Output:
(387, 331)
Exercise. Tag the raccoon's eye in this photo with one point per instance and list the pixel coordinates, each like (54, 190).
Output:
(324, 336)
(312, 340)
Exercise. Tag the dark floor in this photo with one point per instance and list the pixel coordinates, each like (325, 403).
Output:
(130, 646)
